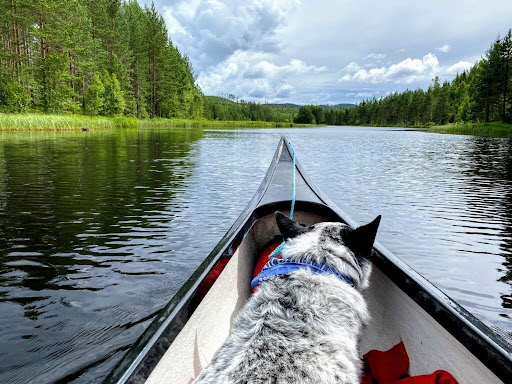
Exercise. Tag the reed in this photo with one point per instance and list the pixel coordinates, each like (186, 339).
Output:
(475, 129)
(186, 123)
(41, 122)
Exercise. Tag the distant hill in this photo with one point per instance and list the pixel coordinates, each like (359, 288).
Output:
(324, 106)
(218, 100)
(222, 100)
(337, 106)
(220, 108)
(284, 105)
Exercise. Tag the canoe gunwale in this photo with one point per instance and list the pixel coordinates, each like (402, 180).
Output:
(469, 331)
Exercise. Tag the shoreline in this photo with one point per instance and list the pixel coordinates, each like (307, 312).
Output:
(38, 122)
(495, 129)
(59, 123)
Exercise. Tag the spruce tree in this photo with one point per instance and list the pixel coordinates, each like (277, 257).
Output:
(114, 98)
(94, 96)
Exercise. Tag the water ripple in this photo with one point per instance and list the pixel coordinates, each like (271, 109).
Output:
(98, 231)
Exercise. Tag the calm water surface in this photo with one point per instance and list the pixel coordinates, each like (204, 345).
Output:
(99, 230)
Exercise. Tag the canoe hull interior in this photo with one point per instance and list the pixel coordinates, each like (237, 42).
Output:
(395, 317)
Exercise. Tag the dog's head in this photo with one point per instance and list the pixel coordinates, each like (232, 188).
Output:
(335, 244)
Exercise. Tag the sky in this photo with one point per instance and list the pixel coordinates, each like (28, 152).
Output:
(330, 52)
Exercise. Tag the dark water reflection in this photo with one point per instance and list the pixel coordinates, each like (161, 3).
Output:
(98, 230)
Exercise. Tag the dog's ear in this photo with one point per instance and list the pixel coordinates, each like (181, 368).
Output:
(364, 236)
(288, 227)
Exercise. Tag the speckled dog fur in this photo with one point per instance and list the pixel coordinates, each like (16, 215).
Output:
(303, 327)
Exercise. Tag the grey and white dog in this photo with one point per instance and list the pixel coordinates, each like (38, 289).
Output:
(303, 327)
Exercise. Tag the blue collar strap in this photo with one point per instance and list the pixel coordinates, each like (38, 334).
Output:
(281, 267)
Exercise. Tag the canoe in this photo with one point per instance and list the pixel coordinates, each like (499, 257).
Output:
(437, 332)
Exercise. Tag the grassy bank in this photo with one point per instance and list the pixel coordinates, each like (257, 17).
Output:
(185, 123)
(40, 122)
(475, 129)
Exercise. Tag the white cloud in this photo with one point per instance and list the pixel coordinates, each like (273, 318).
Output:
(459, 67)
(173, 25)
(258, 76)
(211, 30)
(375, 56)
(406, 71)
(284, 91)
(188, 9)
(254, 74)
(445, 48)
(410, 70)
(352, 67)
(341, 50)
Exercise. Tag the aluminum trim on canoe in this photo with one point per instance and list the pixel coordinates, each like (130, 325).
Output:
(274, 193)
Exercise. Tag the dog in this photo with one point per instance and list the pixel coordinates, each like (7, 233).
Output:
(303, 326)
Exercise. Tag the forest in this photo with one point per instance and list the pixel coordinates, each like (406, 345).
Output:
(230, 108)
(92, 57)
(115, 58)
(481, 94)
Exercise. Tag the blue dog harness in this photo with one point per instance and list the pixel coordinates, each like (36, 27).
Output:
(280, 267)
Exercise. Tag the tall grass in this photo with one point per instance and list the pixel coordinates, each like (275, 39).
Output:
(186, 123)
(475, 129)
(41, 122)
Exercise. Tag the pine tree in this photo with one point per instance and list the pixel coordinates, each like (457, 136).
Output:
(506, 58)
(53, 49)
(492, 76)
(137, 22)
(157, 42)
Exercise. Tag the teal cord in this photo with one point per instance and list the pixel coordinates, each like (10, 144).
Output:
(277, 251)
(293, 182)
(281, 246)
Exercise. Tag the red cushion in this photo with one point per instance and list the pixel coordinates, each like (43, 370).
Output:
(366, 379)
(263, 259)
(210, 278)
(438, 377)
(389, 366)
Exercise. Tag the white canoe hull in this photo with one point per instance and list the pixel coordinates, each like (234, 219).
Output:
(395, 317)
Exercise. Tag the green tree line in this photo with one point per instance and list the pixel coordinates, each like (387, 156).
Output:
(481, 94)
(98, 57)
(233, 109)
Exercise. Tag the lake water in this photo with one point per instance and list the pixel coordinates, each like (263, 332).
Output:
(99, 230)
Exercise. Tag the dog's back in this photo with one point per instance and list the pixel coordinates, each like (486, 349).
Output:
(303, 327)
